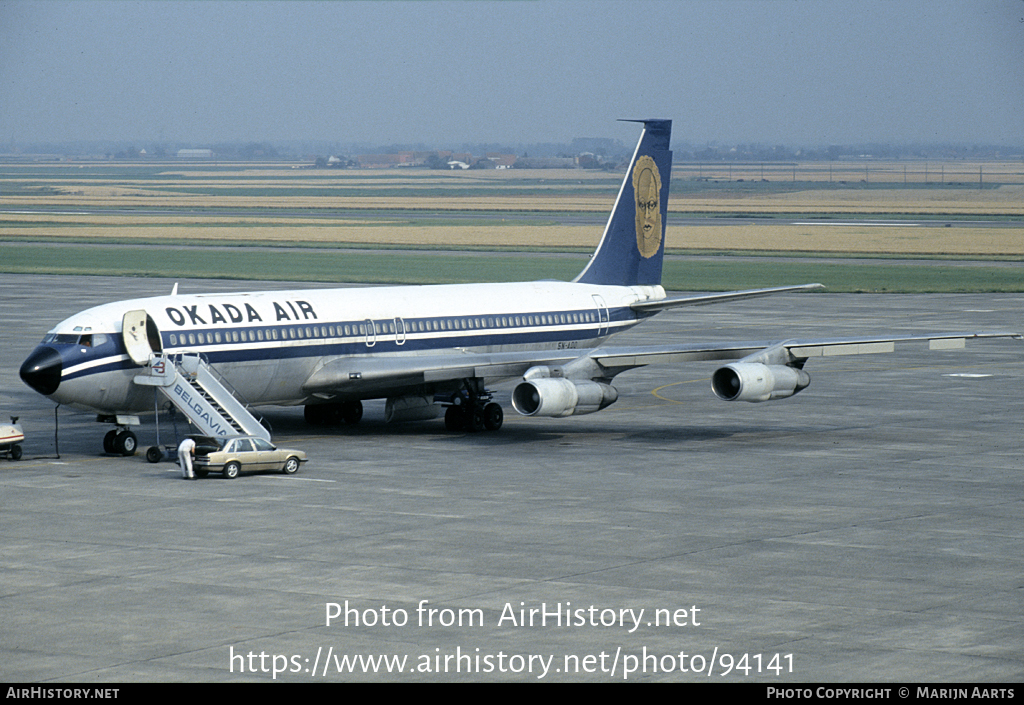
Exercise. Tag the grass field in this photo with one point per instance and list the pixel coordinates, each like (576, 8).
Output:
(398, 267)
(156, 220)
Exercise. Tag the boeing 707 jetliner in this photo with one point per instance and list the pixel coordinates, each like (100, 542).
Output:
(425, 349)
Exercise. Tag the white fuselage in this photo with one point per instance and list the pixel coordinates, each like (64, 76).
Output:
(268, 344)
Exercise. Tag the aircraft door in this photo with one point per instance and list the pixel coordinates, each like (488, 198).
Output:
(371, 333)
(141, 336)
(399, 331)
(602, 315)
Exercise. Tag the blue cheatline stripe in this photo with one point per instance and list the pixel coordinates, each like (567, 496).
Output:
(314, 339)
(104, 364)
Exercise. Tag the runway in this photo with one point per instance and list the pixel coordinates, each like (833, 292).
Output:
(866, 530)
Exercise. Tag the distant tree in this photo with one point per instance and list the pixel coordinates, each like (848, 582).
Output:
(258, 150)
(436, 161)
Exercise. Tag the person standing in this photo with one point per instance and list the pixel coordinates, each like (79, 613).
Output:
(185, 452)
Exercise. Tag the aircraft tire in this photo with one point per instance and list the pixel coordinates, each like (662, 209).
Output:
(231, 470)
(316, 414)
(475, 419)
(493, 416)
(108, 442)
(352, 412)
(454, 420)
(125, 443)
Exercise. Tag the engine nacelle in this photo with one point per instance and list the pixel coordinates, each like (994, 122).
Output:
(547, 396)
(754, 381)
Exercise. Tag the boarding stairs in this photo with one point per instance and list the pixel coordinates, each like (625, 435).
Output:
(205, 398)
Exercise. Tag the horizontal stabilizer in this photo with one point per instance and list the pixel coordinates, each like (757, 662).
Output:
(704, 299)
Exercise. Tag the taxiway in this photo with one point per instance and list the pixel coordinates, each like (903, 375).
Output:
(868, 529)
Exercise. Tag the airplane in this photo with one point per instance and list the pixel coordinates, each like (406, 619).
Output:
(425, 349)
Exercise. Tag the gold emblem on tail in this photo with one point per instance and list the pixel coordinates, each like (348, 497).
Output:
(647, 195)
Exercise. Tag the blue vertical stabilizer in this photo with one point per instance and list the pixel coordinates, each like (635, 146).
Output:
(633, 244)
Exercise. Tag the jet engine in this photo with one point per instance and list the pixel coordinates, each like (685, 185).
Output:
(549, 396)
(755, 381)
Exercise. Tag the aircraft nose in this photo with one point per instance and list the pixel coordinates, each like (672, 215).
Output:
(42, 369)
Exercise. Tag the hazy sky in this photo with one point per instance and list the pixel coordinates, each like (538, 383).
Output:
(807, 72)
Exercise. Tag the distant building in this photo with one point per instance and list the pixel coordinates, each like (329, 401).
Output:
(195, 154)
(546, 163)
(386, 161)
(502, 161)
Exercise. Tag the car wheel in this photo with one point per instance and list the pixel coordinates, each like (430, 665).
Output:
(231, 470)
(291, 466)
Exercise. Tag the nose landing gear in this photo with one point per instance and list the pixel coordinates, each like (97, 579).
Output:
(120, 441)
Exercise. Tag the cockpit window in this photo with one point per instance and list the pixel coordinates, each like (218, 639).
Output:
(89, 340)
(62, 338)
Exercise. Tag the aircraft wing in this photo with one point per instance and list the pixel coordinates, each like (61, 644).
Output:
(796, 349)
(357, 375)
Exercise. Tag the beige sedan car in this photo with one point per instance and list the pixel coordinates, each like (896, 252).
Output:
(230, 456)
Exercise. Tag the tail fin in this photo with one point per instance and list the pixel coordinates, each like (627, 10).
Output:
(633, 244)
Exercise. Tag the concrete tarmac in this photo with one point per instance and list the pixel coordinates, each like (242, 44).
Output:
(867, 529)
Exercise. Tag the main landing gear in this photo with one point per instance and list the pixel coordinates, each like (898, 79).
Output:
(471, 409)
(334, 413)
